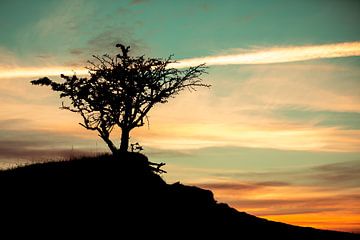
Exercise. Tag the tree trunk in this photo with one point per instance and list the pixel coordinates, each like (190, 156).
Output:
(125, 135)
(109, 143)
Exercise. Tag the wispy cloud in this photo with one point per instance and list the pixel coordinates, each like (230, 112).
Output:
(236, 186)
(258, 56)
(282, 136)
(27, 72)
(343, 174)
(278, 55)
(247, 115)
(19, 144)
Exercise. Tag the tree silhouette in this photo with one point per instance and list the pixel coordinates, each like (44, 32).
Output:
(121, 90)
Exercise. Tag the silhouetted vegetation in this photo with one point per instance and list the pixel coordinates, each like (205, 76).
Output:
(94, 198)
(121, 91)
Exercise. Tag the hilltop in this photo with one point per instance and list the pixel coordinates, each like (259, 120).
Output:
(123, 197)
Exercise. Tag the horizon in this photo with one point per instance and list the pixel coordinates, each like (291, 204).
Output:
(277, 134)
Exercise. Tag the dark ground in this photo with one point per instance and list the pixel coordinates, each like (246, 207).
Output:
(105, 198)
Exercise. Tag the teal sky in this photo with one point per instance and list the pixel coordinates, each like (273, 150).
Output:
(292, 123)
(185, 28)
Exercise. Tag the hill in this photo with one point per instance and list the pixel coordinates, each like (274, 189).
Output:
(118, 198)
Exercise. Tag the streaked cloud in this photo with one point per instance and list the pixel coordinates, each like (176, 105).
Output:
(19, 144)
(29, 72)
(242, 186)
(247, 114)
(257, 56)
(278, 55)
(253, 106)
(343, 174)
(287, 137)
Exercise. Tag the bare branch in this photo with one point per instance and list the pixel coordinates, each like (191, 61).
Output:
(121, 90)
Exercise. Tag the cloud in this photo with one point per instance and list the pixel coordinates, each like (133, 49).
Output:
(347, 120)
(230, 186)
(30, 72)
(34, 151)
(108, 38)
(47, 43)
(241, 186)
(247, 114)
(96, 45)
(283, 135)
(19, 144)
(138, 2)
(13, 123)
(243, 108)
(104, 42)
(67, 18)
(343, 174)
(301, 205)
(327, 177)
(326, 87)
(278, 55)
(272, 184)
(76, 51)
(45, 57)
(166, 153)
(75, 61)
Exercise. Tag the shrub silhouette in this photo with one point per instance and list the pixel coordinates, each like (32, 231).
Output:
(121, 90)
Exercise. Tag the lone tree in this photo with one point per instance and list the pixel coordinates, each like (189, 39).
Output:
(121, 90)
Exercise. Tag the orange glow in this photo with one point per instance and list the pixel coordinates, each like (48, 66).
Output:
(341, 221)
(285, 136)
(298, 205)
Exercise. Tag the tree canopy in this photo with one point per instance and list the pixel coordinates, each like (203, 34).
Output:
(121, 90)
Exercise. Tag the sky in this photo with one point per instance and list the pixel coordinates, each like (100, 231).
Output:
(278, 133)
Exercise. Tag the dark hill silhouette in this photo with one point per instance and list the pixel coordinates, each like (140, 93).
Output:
(122, 198)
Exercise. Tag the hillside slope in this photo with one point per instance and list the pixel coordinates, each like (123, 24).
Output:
(123, 197)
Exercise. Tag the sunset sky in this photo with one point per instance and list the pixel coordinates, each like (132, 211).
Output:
(278, 133)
